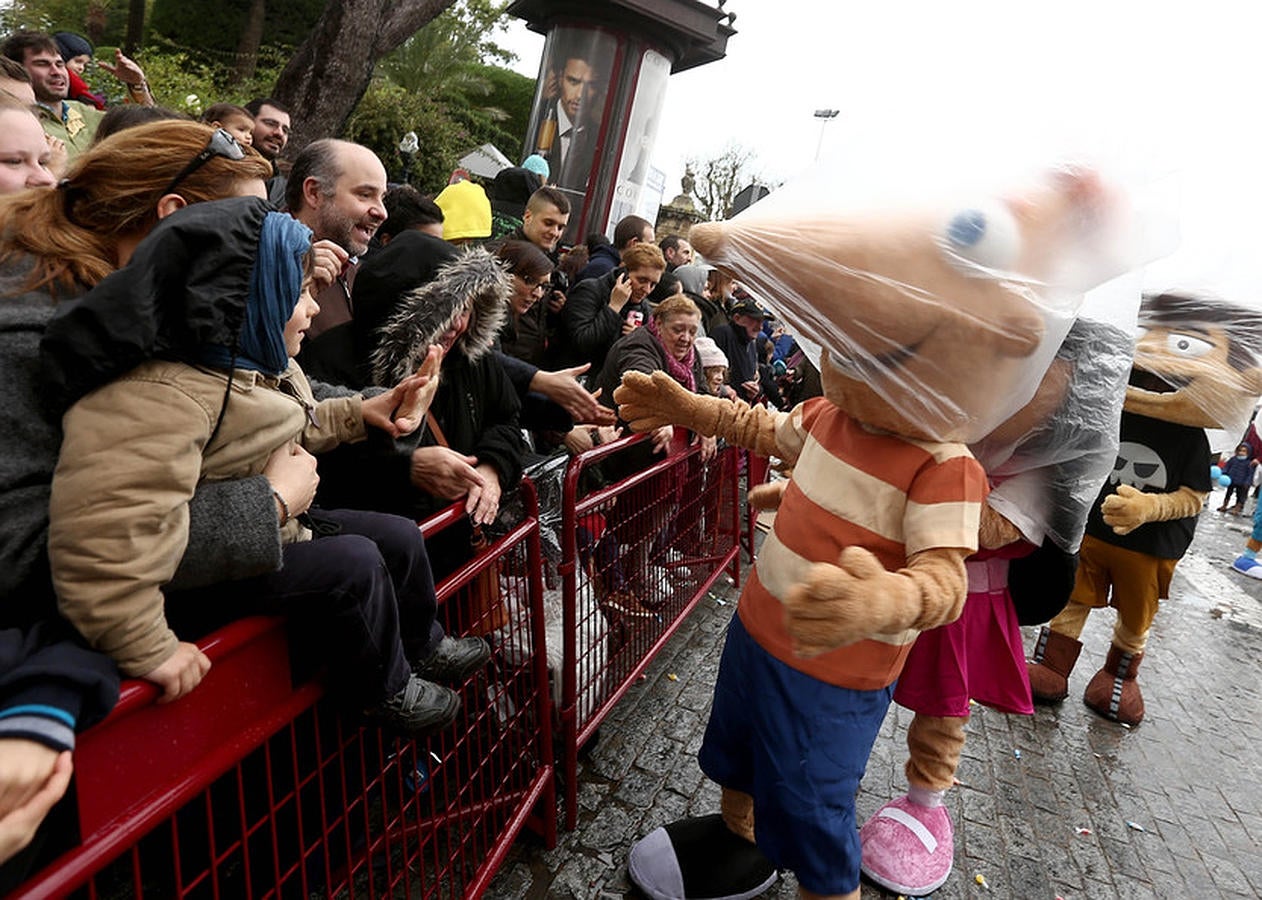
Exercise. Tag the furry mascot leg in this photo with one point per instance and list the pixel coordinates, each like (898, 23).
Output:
(909, 845)
(712, 857)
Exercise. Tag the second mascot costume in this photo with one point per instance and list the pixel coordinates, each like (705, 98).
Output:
(1043, 465)
(1196, 366)
(937, 324)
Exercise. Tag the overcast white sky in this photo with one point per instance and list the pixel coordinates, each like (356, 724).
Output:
(1168, 86)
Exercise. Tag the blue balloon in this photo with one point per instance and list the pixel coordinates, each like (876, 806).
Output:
(1215, 472)
(1224, 480)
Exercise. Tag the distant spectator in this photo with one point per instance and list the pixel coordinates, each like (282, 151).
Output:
(408, 208)
(667, 286)
(271, 136)
(76, 51)
(120, 118)
(677, 250)
(510, 192)
(543, 224)
(236, 120)
(694, 280)
(70, 121)
(629, 230)
(736, 340)
(573, 260)
(666, 343)
(1239, 470)
(537, 164)
(714, 364)
(466, 212)
(531, 271)
(601, 310)
(767, 380)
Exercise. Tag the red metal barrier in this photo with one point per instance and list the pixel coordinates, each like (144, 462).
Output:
(251, 787)
(657, 539)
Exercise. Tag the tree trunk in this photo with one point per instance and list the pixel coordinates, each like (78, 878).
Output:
(331, 70)
(251, 39)
(135, 26)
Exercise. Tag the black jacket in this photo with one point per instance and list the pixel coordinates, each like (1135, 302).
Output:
(589, 326)
(476, 405)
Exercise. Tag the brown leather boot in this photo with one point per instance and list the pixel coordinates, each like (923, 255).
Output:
(1113, 692)
(1049, 668)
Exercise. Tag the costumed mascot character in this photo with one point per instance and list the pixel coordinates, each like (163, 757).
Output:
(1043, 465)
(1196, 366)
(937, 323)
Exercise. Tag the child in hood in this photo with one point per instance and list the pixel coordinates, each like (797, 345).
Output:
(179, 368)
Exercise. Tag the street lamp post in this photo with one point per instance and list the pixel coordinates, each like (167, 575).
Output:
(825, 116)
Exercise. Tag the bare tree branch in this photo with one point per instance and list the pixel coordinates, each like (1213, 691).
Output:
(720, 178)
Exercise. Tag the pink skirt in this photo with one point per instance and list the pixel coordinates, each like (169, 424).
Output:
(978, 656)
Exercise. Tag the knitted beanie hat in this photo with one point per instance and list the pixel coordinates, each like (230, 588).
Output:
(466, 211)
(710, 353)
(70, 45)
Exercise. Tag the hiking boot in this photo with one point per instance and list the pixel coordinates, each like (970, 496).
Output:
(1054, 658)
(454, 660)
(419, 709)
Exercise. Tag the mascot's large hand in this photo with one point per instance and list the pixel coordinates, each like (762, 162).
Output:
(646, 402)
(858, 598)
(1129, 508)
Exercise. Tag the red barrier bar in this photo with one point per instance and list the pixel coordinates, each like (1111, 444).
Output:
(637, 556)
(251, 787)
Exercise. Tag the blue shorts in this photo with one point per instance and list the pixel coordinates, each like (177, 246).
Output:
(799, 747)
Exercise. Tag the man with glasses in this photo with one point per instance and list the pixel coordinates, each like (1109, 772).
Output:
(271, 135)
(337, 189)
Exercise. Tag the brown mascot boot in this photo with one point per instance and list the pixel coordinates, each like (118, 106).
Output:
(1113, 692)
(1054, 658)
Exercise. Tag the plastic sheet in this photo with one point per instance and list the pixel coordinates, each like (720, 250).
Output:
(1047, 462)
(947, 308)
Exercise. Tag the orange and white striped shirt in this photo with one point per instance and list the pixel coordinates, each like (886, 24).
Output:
(853, 487)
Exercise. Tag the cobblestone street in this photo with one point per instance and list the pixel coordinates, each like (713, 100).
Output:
(1060, 804)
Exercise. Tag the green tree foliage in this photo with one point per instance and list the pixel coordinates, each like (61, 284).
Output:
(104, 21)
(444, 56)
(442, 83)
(211, 29)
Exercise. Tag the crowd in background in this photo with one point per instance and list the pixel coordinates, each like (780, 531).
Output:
(235, 383)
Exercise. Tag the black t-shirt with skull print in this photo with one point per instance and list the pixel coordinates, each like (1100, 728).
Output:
(1156, 457)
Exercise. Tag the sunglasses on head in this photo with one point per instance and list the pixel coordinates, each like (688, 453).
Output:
(222, 144)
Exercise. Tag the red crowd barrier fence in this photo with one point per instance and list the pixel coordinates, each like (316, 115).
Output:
(252, 786)
(644, 538)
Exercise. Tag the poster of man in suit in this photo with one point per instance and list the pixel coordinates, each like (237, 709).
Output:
(570, 105)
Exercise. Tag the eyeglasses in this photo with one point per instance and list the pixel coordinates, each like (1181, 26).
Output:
(533, 283)
(221, 144)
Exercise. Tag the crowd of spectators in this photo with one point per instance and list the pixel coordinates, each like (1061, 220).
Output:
(236, 380)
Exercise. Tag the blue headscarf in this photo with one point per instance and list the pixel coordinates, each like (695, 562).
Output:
(275, 283)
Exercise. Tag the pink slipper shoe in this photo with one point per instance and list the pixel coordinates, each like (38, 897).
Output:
(908, 848)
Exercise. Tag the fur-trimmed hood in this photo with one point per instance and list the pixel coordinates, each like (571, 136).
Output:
(476, 281)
